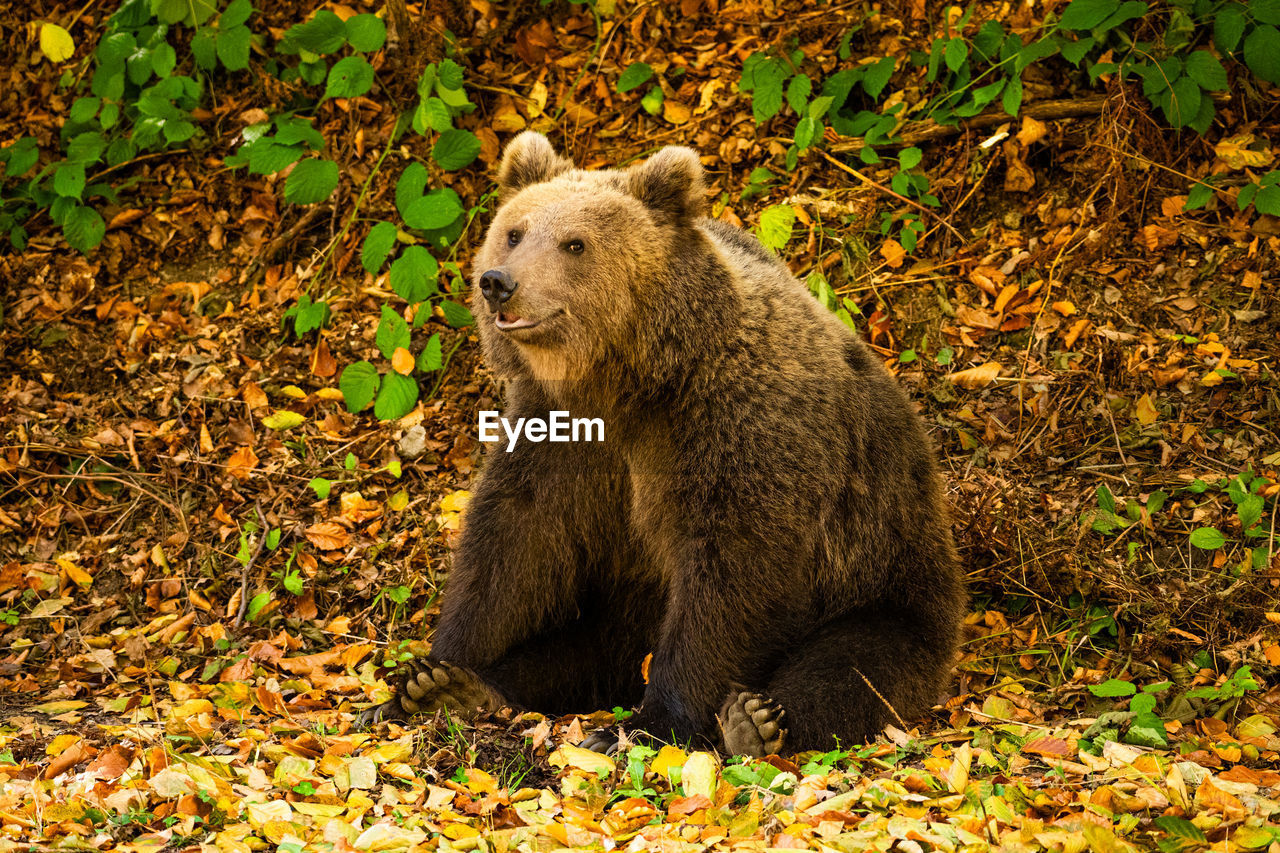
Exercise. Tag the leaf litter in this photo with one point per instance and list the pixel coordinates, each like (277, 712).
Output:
(1095, 363)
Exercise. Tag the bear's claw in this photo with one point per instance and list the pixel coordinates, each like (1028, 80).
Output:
(427, 685)
(752, 724)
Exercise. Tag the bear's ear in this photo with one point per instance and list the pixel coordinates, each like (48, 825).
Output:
(670, 183)
(529, 159)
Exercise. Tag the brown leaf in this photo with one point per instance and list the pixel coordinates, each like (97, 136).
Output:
(1032, 130)
(328, 536)
(323, 363)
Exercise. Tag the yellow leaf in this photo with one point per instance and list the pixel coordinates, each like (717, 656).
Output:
(329, 394)
(398, 501)
(1145, 410)
(667, 758)
(455, 501)
(676, 112)
(60, 743)
(699, 775)
(1065, 308)
(284, 419)
(583, 759)
(977, 377)
(74, 573)
(56, 43)
(1237, 152)
(293, 391)
(402, 361)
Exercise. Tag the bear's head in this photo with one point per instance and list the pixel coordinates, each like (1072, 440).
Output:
(572, 256)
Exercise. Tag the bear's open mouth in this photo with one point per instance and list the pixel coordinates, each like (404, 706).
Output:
(508, 322)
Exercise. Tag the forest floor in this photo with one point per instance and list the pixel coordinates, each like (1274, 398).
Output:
(1095, 366)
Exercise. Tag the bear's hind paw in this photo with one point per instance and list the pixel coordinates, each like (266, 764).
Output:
(752, 724)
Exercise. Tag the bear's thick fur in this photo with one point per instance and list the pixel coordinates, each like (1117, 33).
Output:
(763, 516)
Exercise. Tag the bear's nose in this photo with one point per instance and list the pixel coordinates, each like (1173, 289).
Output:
(497, 286)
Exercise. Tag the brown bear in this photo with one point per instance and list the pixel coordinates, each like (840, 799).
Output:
(763, 515)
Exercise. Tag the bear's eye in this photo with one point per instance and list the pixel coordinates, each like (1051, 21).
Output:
(513, 238)
(575, 246)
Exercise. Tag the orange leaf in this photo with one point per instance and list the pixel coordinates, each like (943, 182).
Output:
(402, 361)
(242, 462)
(1006, 294)
(977, 377)
(328, 536)
(893, 253)
(1065, 308)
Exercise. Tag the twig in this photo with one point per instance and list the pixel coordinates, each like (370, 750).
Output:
(248, 567)
(280, 241)
(882, 188)
(916, 132)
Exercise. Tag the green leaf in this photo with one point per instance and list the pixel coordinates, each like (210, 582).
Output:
(366, 33)
(1203, 67)
(1198, 196)
(413, 275)
(236, 13)
(877, 76)
(1180, 827)
(652, 101)
(233, 48)
(203, 48)
(350, 77)
(324, 33)
(1268, 200)
(635, 74)
(1262, 53)
(1143, 703)
(413, 180)
(432, 114)
(164, 59)
(393, 332)
(956, 53)
(764, 78)
(909, 158)
(320, 485)
(1074, 51)
(1106, 500)
(1250, 510)
(775, 226)
(395, 398)
(1265, 11)
(449, 74)
(311, 181)
(1228, 27)
(69, 180)
(377, 245)
(1184, 102)
(455, 149)
(1147, 730)
(1086, 14)
(807, 130)
(358, 384)
(456, 315)
(798, 91)
(83, 228)
(1208, 538)
(1113, 688)
(436, 209)
(84, 109)
(431, 358)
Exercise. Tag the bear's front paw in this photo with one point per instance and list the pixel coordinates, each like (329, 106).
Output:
(752, 724)
(426, 685)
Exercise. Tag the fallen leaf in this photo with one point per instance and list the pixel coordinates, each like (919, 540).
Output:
(977, 377)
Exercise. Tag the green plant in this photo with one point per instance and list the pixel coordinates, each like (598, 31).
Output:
(1172, 49)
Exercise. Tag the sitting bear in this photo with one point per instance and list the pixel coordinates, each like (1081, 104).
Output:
(763, 516)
